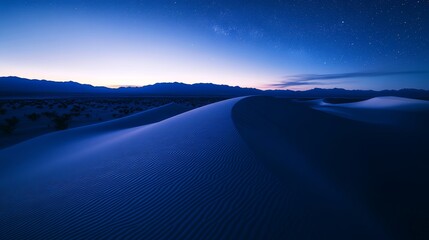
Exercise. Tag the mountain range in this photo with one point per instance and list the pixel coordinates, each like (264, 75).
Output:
(22, 87)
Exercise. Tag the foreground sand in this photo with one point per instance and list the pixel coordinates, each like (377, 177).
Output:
(245, 168)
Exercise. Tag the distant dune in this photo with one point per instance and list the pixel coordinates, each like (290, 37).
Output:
(405, 112)
(244, 168)
(394, 103)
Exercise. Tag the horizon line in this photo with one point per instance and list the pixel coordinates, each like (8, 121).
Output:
(115, 87)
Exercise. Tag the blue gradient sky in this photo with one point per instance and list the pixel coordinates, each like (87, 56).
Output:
(263, 44)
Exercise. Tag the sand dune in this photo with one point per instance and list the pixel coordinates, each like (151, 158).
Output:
(245, 168)
(76, 140)
(380, 110)
(397, 103)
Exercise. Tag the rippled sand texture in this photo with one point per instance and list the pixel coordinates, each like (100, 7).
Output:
(245, 168)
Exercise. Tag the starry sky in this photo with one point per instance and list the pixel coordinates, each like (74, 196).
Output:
(267, 44)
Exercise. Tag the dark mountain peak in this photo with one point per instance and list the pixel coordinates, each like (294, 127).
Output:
(184, 89)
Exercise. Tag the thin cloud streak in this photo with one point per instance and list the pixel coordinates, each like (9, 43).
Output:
(323, 79)
(298, 83)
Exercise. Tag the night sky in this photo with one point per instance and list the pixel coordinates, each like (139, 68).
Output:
(352, 44)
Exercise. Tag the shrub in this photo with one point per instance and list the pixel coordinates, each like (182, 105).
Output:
(76, 109)
(61, 122)
(33, 117)
(49, 114)
(10, 125)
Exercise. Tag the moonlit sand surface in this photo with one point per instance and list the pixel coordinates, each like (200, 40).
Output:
(397, 111)
(396, 103)
(244, 168)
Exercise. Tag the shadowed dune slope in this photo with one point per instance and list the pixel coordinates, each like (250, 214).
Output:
(244, 168)
(337, 166)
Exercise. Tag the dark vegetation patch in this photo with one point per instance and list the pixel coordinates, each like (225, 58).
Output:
(9, 125)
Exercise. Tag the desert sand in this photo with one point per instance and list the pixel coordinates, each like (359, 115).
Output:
(244, 168)
(38, 116)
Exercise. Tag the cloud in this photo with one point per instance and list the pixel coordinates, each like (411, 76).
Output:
(297, 83)
(321, 79)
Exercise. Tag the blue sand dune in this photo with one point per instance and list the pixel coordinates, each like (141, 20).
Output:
(244, 168)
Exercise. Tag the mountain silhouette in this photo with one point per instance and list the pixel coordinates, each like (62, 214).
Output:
(22, 87)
